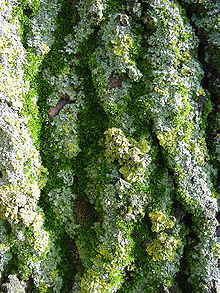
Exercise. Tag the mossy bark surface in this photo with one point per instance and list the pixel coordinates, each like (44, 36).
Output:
(109, 146)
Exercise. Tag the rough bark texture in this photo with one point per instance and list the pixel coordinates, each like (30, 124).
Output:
(109, 146)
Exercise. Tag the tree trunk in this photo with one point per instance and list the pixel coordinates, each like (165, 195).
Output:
(109, 146)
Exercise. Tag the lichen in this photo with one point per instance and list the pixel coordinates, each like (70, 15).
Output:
(163, 247)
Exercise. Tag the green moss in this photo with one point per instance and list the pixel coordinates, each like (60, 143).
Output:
(113, 6)
(30, 110)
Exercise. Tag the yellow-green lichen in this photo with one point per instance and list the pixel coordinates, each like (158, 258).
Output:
(128, 152)
(160, 221)
(164, 247)
(122, 46)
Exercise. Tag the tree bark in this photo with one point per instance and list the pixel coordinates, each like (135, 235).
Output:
(109, 143)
